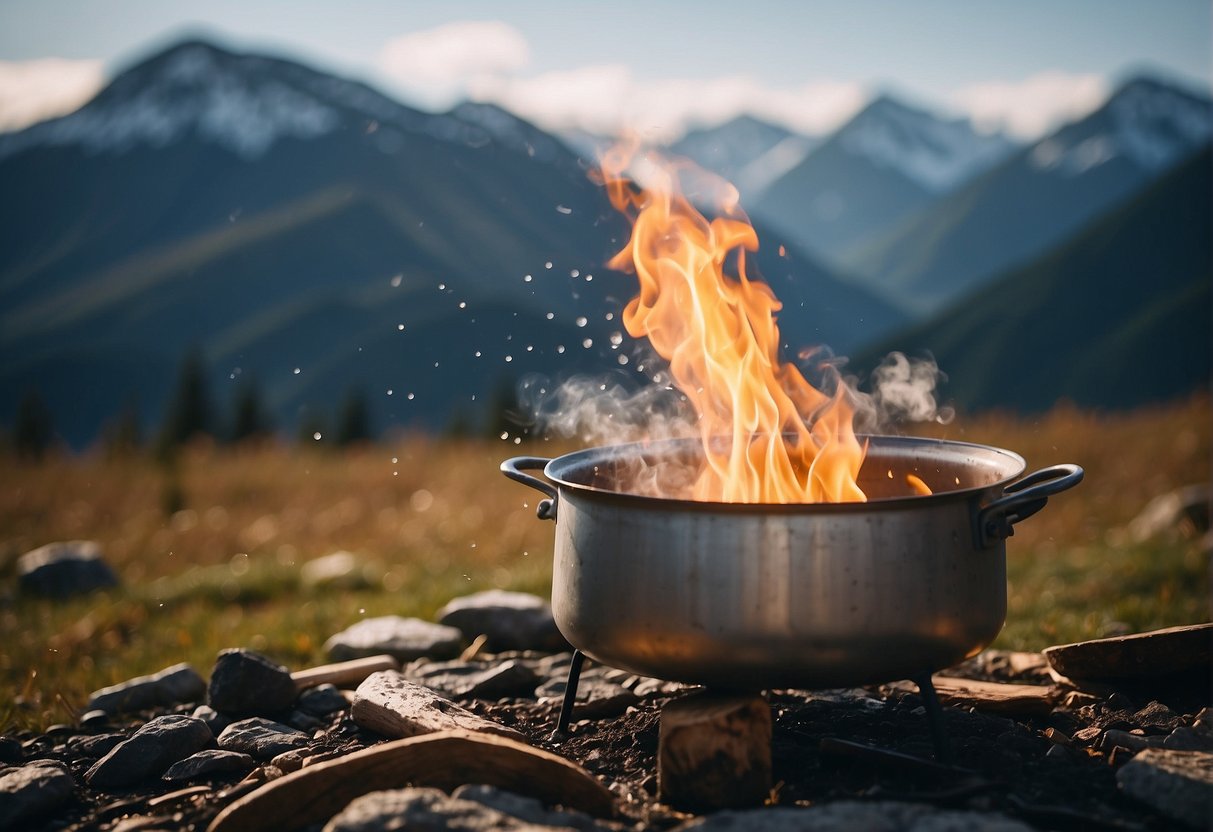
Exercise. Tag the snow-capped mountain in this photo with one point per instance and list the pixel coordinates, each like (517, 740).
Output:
(1039, 196)
(883, 165)
(936, 153)
(747, 151)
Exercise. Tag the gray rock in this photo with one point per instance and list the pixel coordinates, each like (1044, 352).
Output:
(1188, 739)
(244, 683)
(210, 761)
(303, 721)
(340, 570)
(261, 738)
(477, 680)
(525, 808)
(322, 700)
(92, 747)
(10, 751)
(405, 639)
(171, 686)
(847, 816)
(150, 751)
(1123, 739)
(30, 791)
(422, 810)
(292, 760)
(597, 696)
(510, 620)
(1177, 783)
(389, 704)
(213, 719)
(61, 570)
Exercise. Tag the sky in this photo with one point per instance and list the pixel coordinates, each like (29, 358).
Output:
(656, 67)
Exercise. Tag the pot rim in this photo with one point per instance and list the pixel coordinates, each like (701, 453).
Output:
(558, 469)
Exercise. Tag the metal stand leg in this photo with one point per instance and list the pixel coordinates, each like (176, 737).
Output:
(570, 695)
(939, 737)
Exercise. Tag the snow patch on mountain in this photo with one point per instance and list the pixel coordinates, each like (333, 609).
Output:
(1149, 124)
(935, 153)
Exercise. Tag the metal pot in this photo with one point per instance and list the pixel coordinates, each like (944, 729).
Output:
(750, 596)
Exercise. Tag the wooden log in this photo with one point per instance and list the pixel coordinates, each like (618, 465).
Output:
(390, 704)
(990, 696)
(343, 674)
(445, 760)
(714, 752)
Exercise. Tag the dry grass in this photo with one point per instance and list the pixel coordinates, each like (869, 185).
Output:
(432, 520)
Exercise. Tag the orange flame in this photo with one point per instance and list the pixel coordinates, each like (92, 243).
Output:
(768, 435)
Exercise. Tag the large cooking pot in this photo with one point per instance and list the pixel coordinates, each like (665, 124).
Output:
(757, 596)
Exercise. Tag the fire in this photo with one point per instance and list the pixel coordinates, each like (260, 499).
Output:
(769, 436)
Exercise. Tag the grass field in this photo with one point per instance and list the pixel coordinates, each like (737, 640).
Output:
(210, 552)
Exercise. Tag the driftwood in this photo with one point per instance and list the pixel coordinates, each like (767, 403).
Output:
(445, 760)
(343, 674)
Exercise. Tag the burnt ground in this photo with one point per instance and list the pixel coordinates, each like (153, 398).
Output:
(1001, 763)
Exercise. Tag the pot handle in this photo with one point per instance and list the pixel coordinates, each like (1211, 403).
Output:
(513, 469)
(1022, 499)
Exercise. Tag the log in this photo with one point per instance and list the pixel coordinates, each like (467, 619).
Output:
(714, 752)
(990, 696)
(445, 760)
(343, 674)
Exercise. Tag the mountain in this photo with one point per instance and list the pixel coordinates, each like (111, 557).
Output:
(1117, 316)
(887, 162)
(1038, 197)
(747, 151)
(312, 234)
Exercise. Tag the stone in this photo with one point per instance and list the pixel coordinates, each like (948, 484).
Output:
(995, 697)
(61, 570)
(261, 738)
(525, 808)
(847, 815)
(1123, 739)
(33, 790)
(509, 620)
(476, 680)
(171, 686)
(1175, 650)
(1177, 783)
(322, 700)
(1179, 514)
(150, 751)
(97, 745)
(244, 683)
(292, 760)
(213, 719)
(404, 639)
(209, 761)
(714, 752)
(1188, 739)
(420, 810)
(390, 704)
(597, 697)
(10, 751)
(1159, 717)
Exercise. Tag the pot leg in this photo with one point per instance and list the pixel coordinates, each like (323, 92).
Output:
(930, 701)
(570, 695)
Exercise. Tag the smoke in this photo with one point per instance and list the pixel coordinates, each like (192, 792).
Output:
(903, 390)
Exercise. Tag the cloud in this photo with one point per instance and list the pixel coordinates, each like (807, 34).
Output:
(609, 98)
(1030, 108)
(442, 61)
(31, 91)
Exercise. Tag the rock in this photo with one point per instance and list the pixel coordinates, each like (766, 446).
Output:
(340, 570)
(846, 815)
(476, 680)
(525, 808)
(61, 570)
(1177, 783)
(390, 704)
(213, 719)
(98, 745)
(714, 752)
(322, 700)
(1123, 739)
(404, 639)
(171, 686)
(510, 620)
(597, 697)
(1158, 653)
(995, 697)
(150, 751)
(422, 810)
(1159, 717)
(1188, 739)
(1179, 514)
(292, 760)
(30, 791)
(244, 683)
(261, 738)
(10, 751)
(209, 761)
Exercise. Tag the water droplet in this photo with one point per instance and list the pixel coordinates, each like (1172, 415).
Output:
(588, 278)
(610, 316)
(410, 397)
(560, 349)
(297, 371)
(397, 280)
(526, 278)
(581, 321)
(587, 343)
(395, 460)
(441, 287)
(505, 435)
(477, 353)
(463, 304)
(529, 348)
(622, 359)
(575, 273)
(548, 264)
(316, 436)
(550, 315)
(564, 210)
(616, 338)
(517, 440)
(400, 327)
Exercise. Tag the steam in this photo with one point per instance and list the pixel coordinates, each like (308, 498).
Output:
(903, 390)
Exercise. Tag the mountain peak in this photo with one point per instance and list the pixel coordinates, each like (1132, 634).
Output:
(934, 152)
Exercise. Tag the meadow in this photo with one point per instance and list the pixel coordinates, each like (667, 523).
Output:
(212, 550)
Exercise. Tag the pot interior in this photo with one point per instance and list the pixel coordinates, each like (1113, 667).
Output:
(665, 469)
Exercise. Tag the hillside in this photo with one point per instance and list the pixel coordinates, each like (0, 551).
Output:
(1118, 316)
